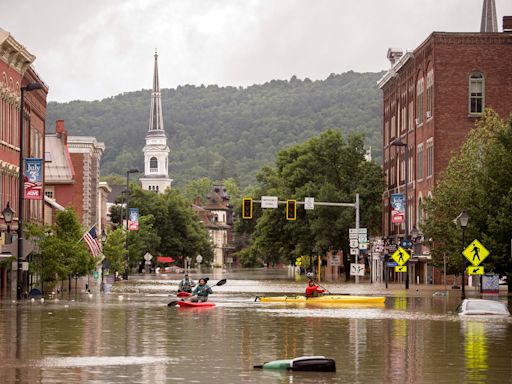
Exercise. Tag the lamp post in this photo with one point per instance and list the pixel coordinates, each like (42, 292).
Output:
(21, 186)
(398, 143)
(463, 220)
(414, 236)
(134, 170)
(103, 241)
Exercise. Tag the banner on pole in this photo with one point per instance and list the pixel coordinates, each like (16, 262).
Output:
(133, 219)
(33, 177)
(397, 202)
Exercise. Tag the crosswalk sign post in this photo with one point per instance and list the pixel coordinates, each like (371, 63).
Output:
(476, 253)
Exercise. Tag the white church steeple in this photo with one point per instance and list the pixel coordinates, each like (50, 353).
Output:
(156, 152)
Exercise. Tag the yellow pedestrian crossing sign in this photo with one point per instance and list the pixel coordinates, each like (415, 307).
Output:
(400, 256)
(475, 253)
(475, 270)
(401, 268)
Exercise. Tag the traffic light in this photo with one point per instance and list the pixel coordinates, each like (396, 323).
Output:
(291, 209)
(247, 208)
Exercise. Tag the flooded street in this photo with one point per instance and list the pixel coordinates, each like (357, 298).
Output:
(132, 336)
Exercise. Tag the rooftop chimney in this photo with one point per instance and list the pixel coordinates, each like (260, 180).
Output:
(394, 54)
(61, 131)
(507, 24)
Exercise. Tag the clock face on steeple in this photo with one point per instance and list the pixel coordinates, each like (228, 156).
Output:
(156, 151)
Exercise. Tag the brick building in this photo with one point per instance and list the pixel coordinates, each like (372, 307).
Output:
(16, 71)
(73, 175)
(433, 96)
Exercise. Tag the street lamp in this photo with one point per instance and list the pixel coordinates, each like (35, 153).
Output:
(134, 170)
(21, 186)
(103, 241)
(463, 220)
(8, 215)
(398, 143)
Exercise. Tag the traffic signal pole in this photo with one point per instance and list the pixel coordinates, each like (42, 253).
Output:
(328, 204)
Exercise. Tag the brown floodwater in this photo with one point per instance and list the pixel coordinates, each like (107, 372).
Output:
(132, 336)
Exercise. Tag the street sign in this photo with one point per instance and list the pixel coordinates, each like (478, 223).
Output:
(354, 243)
(475, 253)
(268, 201)
(400, 256)
(476, 270)
(309, 203)
(401, 269)
(391, 264)
(95, 275)
(363, 238)
(148, 256)
(407, 244)
(363, 245)
(199, 259)
(354, 251)
(335, 260)
(356, 269)
(361, 230)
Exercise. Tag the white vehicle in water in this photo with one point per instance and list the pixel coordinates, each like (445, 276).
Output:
(481, 307)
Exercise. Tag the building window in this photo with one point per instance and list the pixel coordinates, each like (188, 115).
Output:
(419, 161)
(49, 194)
(430, 157)
(410, 166)
(419, 100)
(476, 93)
(420, 211)
(430, 85)
(153, 165)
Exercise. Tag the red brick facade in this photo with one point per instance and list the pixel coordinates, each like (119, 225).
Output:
(440, 70)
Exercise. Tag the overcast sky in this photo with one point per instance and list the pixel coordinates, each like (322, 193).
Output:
(99, 48)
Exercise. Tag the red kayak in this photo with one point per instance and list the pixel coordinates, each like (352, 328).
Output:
(183, 294)
(190, 304)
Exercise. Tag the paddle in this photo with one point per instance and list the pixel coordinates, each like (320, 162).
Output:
(176, 302)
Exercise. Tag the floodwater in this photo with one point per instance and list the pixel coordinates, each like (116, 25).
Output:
(132, 336)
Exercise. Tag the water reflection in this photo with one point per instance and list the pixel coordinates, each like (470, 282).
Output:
(140, 340)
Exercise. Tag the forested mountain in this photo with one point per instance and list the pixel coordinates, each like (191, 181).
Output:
(224, 132)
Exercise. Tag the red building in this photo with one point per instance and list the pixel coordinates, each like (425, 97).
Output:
(433, 96)
(15, 72)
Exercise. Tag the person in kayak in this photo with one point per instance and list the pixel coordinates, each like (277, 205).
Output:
(201, 291)
(313, 290)
(186, 285)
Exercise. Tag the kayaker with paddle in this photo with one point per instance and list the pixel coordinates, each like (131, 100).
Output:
(186, 285)
(313, 289)
(201, 291)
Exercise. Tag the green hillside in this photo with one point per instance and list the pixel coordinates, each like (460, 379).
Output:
(222, 132)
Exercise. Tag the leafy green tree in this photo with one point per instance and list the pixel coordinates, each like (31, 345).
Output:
(61, 254)
(114, 250)
(478, 179)
(146, 239)
(330, 169)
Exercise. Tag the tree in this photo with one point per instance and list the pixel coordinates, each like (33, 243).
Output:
(328, 168)
(478, 179)
(144, 240)
(114, 250)
(61, 253)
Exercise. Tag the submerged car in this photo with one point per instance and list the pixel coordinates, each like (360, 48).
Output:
(482, 307)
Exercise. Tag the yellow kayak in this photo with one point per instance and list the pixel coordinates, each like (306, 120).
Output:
(331, 299)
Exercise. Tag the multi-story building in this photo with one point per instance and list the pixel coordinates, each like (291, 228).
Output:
(433, 96)
(16, 71)
(73, 174)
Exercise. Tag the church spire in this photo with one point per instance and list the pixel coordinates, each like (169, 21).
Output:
(489, 18)
(156, 120)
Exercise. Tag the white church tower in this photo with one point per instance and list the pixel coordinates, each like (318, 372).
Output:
(156, 152)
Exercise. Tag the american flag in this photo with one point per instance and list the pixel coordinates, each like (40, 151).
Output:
(91, 239)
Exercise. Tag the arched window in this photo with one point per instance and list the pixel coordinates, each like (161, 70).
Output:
(476, 93)
(153, 165)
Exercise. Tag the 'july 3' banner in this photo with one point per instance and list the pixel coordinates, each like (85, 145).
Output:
(397, 202)
(33, 179)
